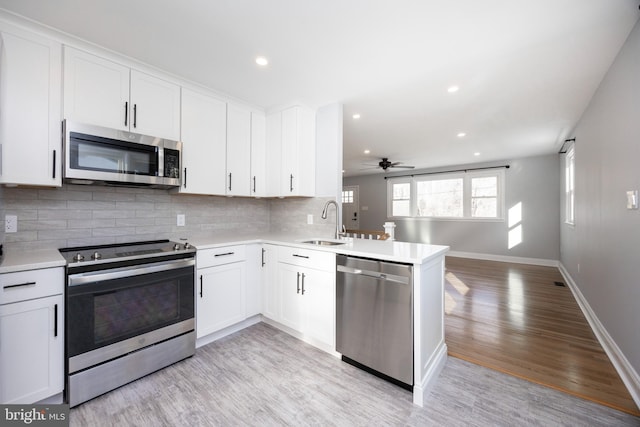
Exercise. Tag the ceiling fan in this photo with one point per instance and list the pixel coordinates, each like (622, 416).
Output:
(385, 164)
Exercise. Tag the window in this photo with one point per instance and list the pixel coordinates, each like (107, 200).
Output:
(569, 185)
(347, 196)
(401, 198)
(440, 197)
(466, 195)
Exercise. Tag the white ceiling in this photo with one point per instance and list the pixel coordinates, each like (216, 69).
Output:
(526, 69)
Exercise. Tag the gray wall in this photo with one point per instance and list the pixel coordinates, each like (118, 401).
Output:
(76, 215)
(531, 181)
(601, 252)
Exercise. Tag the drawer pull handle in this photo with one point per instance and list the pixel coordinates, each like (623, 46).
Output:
(225, 254)
(301, 256)
(19, 285)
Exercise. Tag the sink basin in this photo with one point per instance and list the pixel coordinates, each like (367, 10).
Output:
(323, 242)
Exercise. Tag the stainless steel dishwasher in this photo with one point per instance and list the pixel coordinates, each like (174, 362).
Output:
(374, 317)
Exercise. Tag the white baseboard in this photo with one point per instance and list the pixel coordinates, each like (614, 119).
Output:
(627, 373)
(430, 376)
(207, 339)
(505, 258)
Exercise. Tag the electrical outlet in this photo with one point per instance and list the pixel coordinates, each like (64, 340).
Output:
(309, 219)
(180, 220)
(10, 223)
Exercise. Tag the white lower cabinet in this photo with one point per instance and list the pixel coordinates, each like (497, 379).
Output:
(31, 335)
(220, 291)
(254, 262)
(270, 288)
(306, 290)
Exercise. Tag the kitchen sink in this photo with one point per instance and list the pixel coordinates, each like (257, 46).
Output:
(323, 242)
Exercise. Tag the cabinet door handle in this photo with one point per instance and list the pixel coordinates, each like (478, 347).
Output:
(19, 285)
(135, 115)
(229, 181)
(291, 183)
(263, 251)
(302, 283)
(54, 164)
(224, 254)
(126, 112)
(55, 320)
(185, 177)
(201, 286)
(298, 284)
(254, 184)
(301, 256)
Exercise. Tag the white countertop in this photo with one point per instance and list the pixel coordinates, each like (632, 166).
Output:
(405, 252)
(13, 261)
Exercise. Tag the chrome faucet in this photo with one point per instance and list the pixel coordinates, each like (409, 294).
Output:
(324, 215)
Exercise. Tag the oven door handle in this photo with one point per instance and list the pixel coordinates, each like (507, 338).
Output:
(119, 273)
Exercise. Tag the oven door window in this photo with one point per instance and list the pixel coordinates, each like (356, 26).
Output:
(94, 153)
(102, 313)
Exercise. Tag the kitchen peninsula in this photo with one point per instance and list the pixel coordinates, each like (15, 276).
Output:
(243, 279)
(281, 255)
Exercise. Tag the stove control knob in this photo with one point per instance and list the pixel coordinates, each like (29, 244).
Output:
(176, 247)
(187, 245)
(96, 255)
(78, 257)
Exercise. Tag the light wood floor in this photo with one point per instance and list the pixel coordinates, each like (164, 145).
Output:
(513, 318)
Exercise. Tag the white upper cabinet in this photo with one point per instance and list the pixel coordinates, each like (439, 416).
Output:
(30, 120)
(96, 90)
(238, 150)
(291, 143)
(154, 106)
(203, 144)
(104, 93)
(258, 155)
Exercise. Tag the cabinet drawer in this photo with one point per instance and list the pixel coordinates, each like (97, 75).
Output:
(24, 285)
(220, 256)
(318, 260)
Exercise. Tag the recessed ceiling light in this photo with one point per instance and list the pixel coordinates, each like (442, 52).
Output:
(461, 135)
(367, 151)
(262, 61)
(476, 154)
(453, 89)
(356, 116)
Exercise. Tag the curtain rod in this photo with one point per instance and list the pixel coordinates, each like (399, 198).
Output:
(565, 145)
(451, 171)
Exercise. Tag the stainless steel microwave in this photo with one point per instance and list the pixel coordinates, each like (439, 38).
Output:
(98, 155)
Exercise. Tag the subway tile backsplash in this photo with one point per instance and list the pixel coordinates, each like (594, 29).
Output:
(77, 215)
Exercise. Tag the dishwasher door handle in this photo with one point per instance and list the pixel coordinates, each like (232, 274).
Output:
(373, 274)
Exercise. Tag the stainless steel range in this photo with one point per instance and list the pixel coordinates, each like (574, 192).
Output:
(129, 312)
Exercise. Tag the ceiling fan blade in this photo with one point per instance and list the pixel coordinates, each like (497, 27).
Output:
(402, 167)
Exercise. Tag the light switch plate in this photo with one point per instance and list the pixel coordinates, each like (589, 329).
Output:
(309, 219)
(632, 199)
(10, 223)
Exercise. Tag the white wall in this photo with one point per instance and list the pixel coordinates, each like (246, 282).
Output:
(531, 181)
(601, 252)
(329, 151)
